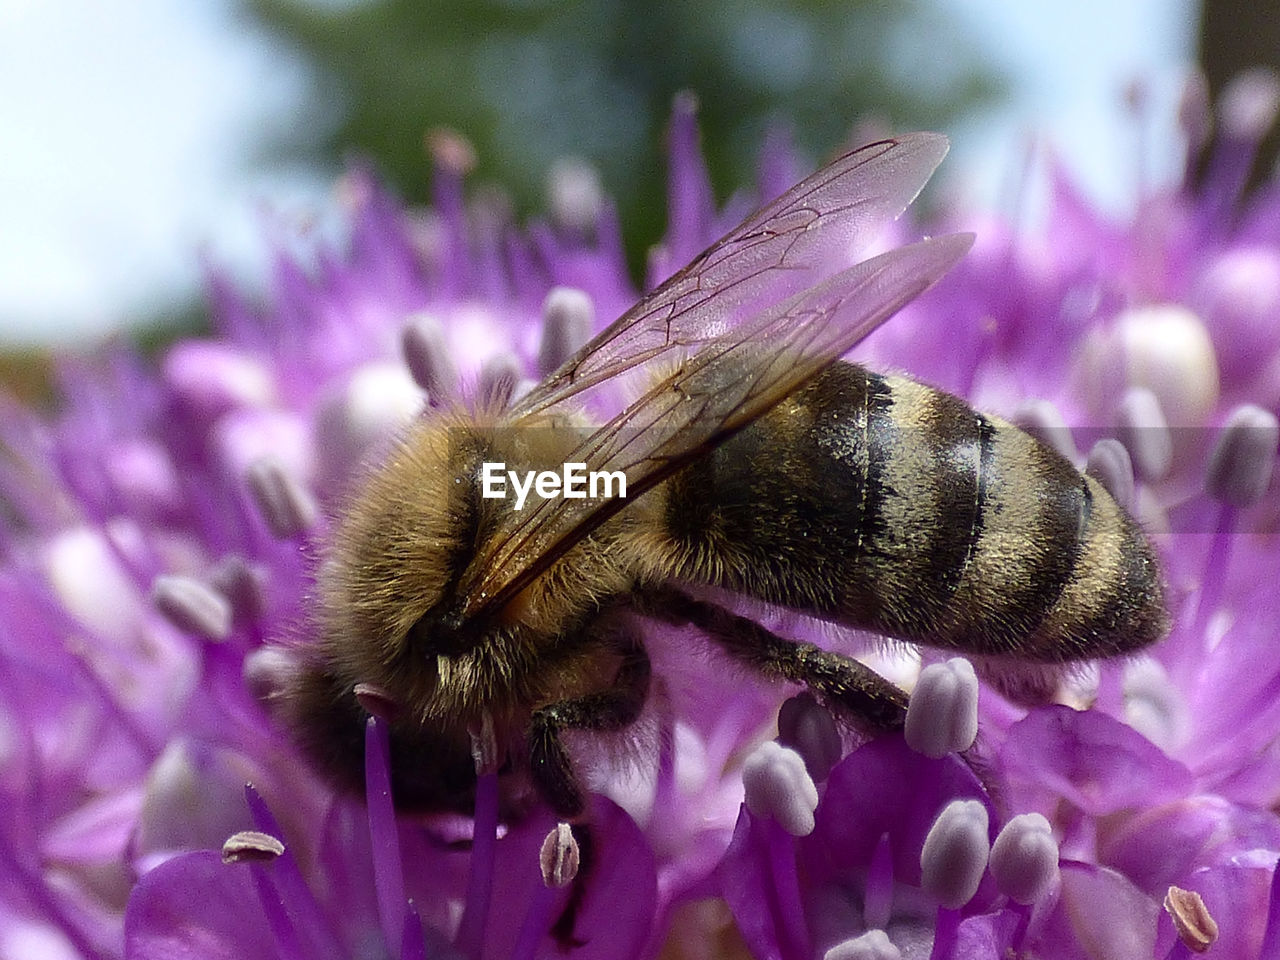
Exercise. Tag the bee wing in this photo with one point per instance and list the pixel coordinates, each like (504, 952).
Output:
(732, 380)
(815, 228)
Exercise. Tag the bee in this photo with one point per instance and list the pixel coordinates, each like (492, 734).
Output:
(756, 461)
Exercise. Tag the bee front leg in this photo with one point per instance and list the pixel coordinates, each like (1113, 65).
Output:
(862, 696)
(611, 709)
(552, 770)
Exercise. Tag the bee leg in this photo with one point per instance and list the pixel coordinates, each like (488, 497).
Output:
(862, 696)
(611, 709)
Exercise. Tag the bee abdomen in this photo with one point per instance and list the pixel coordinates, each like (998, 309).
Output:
(885, 504)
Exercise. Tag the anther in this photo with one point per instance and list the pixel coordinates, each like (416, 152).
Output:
(1145, 433)
(211, 378)
(1191, 918)
(1249, 104)
(426, 354)
(1042, 420)
(808, 728)
(191, 606)
(575, 194)
(243, 584)
(1244, 457)
(559, 856)
(1109, 464)
(484, 746)
(497, 381)
(942, 716)
(955, 853)
(568, 317)
(268, 672)
(872, 945)
(376, 701)
(450, 150)
(285, 504)
(1024, 858)
(375, 402)
(251, 846)
(776, 784)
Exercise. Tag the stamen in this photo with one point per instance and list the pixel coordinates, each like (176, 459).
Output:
(1191, 918)
(568, 317)
(496, 384)
(1024, 858)
(877, 900)
(777, 786)
(427, 356)
(942, 716)
(303, 929)
(689, 196)
(1109, 464)
(808, 728)
(1246, 111)
(192, 607)
(955, 853)
(1244, 457)
(284, 503)
(384, 838)
(413, 946)
(453, 157)
(1195, 116)
(537, 921)
(559, 856)
(575, 194)
(1145, 433)
(484, 840)
(251, 846)
(872, 945)
(1042, 420)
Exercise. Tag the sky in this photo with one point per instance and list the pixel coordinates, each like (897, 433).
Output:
(127, 129)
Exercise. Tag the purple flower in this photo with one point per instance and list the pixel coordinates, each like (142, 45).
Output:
(159, 536)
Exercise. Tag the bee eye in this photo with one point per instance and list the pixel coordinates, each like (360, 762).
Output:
(439, 632)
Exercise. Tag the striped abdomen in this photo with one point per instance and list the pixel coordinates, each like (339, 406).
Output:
(885, 504)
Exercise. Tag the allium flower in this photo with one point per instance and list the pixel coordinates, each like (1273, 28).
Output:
(160, 531)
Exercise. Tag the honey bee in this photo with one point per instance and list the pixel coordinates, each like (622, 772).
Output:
(755, 461)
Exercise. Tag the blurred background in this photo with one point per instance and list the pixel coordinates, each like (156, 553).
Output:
(139, 136)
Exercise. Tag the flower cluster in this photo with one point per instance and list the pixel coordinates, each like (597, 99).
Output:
(159, 534)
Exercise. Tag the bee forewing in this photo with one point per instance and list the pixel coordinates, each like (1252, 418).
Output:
(729, 383)
(814, 229)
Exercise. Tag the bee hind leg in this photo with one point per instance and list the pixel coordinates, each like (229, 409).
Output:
(859, 694)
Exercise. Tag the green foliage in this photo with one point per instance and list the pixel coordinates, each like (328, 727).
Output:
(529, 81)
